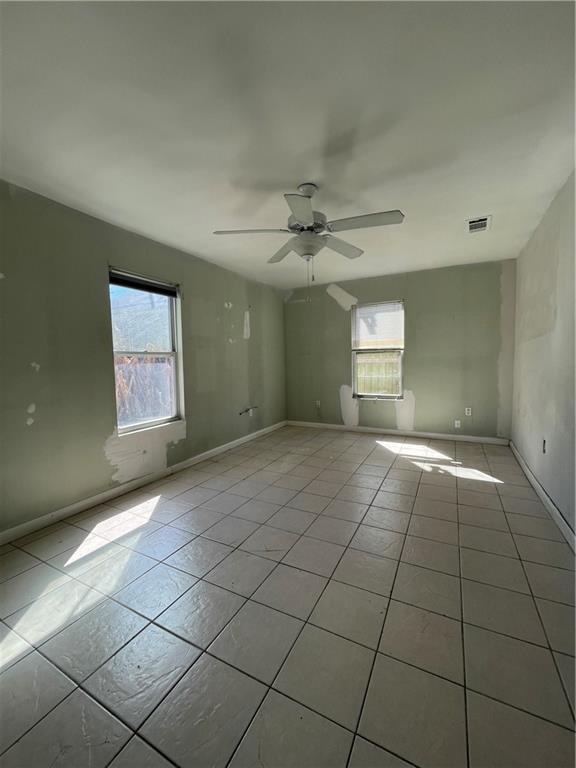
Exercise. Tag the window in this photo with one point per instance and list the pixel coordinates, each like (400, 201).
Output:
(377, 349)
(145, 356)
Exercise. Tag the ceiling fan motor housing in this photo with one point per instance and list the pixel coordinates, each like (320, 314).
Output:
(318, 226)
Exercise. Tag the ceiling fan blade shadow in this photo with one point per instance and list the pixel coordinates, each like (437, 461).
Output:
(349, 132)
(367, 220)
(341, 246)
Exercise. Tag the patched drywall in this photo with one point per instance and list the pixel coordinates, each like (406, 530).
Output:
(543, 402)
(57, 415)
(341, 297)
(349, 406)
(405, 411)
(143, 452)
(246, 332)
(459, 344)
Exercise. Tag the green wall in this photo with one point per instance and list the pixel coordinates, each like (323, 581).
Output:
(544, 353)
(57, 412)
(458, 338)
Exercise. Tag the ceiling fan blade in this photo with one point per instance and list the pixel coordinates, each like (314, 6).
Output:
(282, 252)
(301, 207)
(245, 231)
(341, 246)
(369, 220)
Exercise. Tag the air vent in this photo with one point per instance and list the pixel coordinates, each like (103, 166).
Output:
(479, 225)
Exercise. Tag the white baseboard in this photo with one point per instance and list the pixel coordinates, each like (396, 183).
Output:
(403, 433)
(30, 526)
(555, 513)
(226, 447)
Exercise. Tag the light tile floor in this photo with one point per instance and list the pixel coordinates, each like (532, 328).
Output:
(311, 599)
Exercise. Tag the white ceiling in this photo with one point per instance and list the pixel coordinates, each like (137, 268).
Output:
(174, 119)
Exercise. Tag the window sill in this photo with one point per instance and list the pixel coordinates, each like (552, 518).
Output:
(389, 398)
(148, 426)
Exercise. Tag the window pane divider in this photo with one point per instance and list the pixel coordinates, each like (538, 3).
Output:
(131, 353)
(377, 349)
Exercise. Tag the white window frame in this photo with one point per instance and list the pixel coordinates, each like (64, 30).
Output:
(368, 350)
(173, 291)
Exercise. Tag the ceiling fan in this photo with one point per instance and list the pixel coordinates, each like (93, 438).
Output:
(312, 231)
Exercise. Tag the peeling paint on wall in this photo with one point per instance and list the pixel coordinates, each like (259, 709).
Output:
(288, 295)
(341, 297)
(405, 411)
(142, 452)
(228, 304)
(218, 377)
(30, 410)
(246, 333)
(349, 406)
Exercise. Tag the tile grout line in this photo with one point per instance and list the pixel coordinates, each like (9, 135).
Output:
(80, 685)
(545, 631)
(111, 596)
(270, 687)
(196, 535)
(347, 547)
(369, 680)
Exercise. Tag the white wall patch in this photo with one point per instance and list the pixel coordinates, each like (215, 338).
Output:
(35, 366)
(31, 408)
(405, 410)
(29, 421)
(349, 406)
(247, 324)
(341, 297)
(143, 452)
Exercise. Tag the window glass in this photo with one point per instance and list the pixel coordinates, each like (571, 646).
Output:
(145, 364)
(141, 320)
(379, 326)
(379, 373)
(377, 349)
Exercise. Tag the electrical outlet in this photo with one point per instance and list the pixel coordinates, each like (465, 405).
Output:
(457, 424)
(467, 411)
